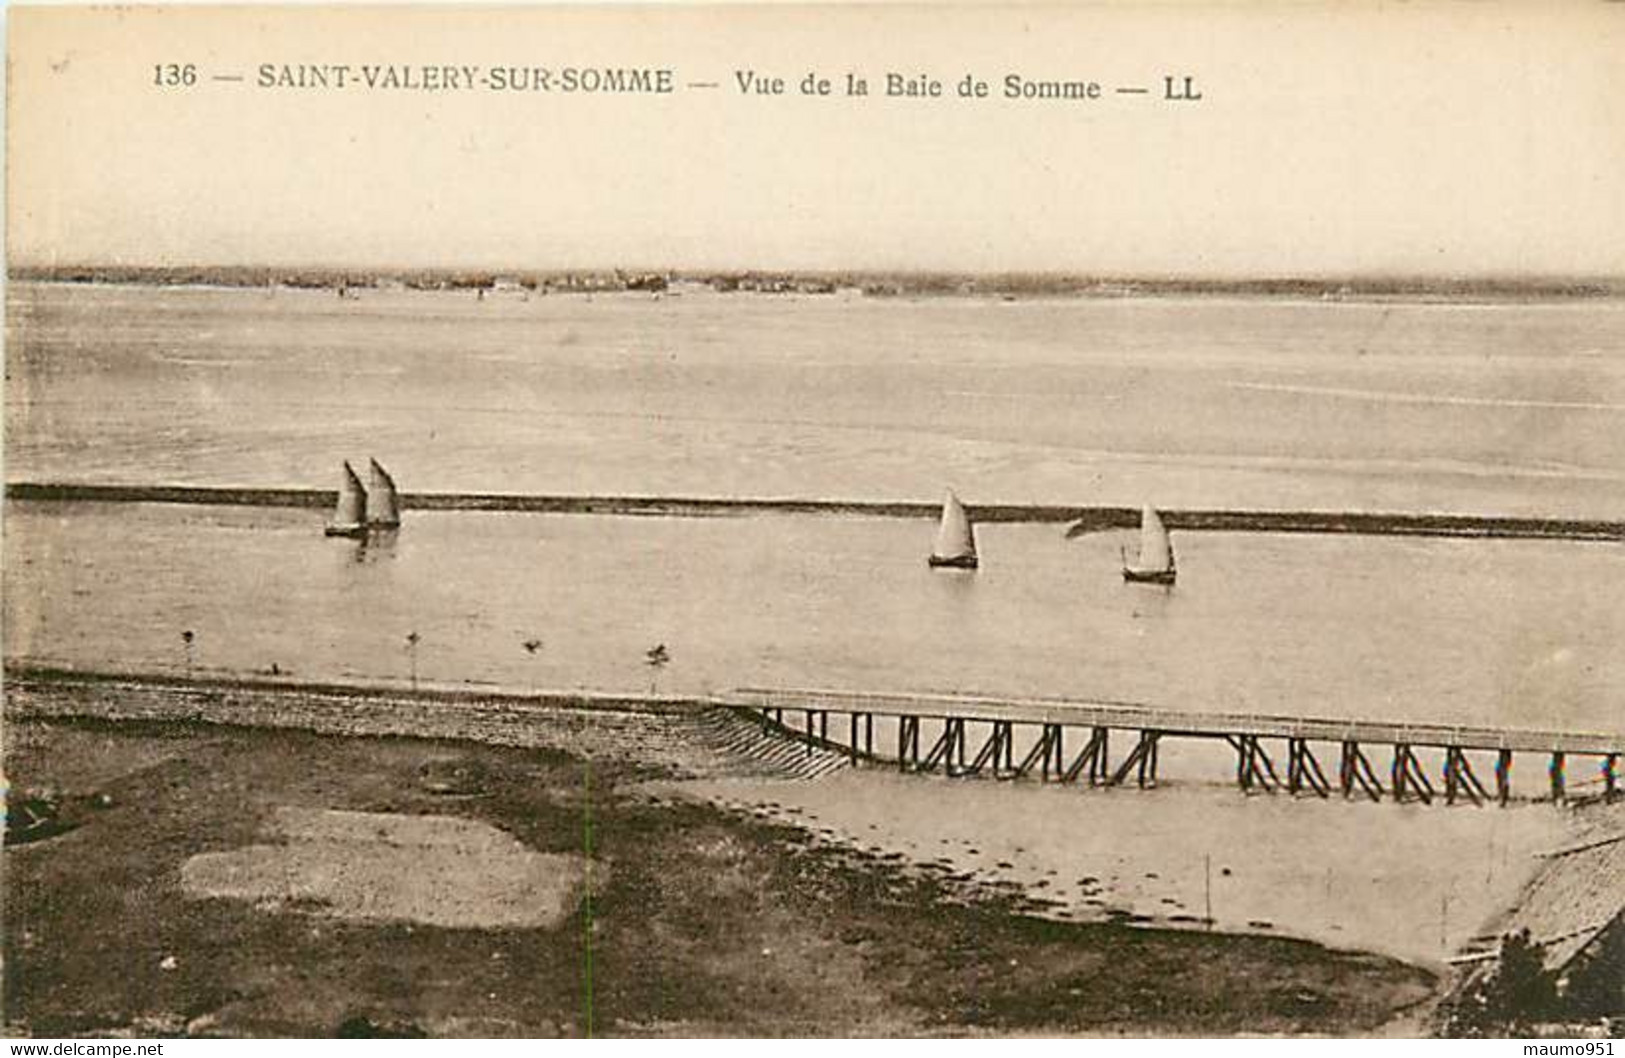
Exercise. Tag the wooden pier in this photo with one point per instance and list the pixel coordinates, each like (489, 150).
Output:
(1071, 742)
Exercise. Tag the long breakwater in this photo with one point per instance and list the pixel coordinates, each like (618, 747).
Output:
(1082, 518)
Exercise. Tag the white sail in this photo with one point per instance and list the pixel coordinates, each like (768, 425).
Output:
(351, 513)
(1155, 553)
(383, 505)
(956, 540)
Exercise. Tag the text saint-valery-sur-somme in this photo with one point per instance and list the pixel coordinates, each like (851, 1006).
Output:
(651, 80)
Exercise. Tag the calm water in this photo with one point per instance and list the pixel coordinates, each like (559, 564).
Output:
(1497, 409)
(1522, 633)
(1486, 409)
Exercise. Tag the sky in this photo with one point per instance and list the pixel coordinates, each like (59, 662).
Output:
(1435, 139)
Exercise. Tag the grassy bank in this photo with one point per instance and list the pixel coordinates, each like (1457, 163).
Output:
(697, 921)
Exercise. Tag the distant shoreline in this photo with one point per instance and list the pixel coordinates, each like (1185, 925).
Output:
(875, 284)
(1083, 519)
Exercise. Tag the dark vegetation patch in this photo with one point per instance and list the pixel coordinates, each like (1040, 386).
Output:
(702, 921)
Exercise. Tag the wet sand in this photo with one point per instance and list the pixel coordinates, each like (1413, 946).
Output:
(1411, 881)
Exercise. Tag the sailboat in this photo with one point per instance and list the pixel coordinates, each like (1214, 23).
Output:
(350, 517)
(383, 502)
(1156, 562)
(955, 547)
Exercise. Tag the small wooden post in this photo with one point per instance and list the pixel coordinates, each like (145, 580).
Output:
(868, 734)
(852, 737)
(1558, 782)
(1610, 776)
(1503, 775)
(1207, 888)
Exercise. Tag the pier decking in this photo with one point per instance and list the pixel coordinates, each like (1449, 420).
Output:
(1052, 724)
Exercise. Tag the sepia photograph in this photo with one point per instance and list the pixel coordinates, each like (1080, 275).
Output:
(845, 520)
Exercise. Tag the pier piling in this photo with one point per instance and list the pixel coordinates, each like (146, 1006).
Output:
(1302, 769)
(1046, 750)
(1092, 757)
(1408, 776)
(1460, 779)
(908, 743)
(1141, 757)
(995, 751)
(1246, 734)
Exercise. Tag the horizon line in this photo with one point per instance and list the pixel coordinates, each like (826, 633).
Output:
(16, 268)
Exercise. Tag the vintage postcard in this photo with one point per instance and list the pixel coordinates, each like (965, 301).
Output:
(847, 520)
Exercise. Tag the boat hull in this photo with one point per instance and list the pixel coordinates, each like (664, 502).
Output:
(952, 562)
(1148, 576)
